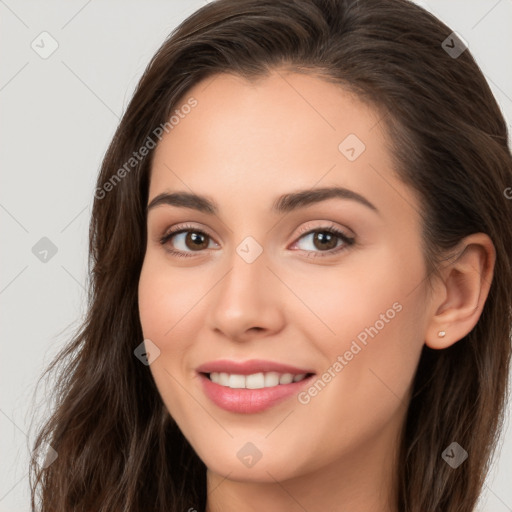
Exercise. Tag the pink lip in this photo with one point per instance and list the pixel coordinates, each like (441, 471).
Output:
(249, 367)
(247, 401)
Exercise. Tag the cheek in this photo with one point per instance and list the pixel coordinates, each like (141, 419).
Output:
(370, 362)
(371, 329)
(165, 298)
(363, 298)
(170, 315)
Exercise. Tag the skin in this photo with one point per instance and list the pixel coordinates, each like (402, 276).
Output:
(243, 145)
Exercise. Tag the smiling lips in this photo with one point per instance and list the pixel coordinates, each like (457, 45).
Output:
(252, 386)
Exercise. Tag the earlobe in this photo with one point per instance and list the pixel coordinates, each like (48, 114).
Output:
(459, 299)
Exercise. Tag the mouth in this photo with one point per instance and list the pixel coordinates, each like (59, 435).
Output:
(252, 386)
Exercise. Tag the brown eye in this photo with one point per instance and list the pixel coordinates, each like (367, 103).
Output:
(196, 240)
(182, 242)
(325, 240)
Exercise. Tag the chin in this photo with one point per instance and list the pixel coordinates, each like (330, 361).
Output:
(245, 461)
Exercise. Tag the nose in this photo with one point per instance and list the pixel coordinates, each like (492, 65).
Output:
(247, 300)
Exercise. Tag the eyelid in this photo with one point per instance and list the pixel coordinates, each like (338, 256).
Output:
(326, 224)
(169, 233)
(174, 230)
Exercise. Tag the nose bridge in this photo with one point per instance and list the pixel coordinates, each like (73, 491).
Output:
(245, 296)
(248, 264)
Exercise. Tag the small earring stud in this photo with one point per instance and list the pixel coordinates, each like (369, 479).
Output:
(441, 334)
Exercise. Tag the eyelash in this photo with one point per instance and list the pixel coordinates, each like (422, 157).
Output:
(348, 241)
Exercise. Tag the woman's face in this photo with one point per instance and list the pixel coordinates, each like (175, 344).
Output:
(266, 290)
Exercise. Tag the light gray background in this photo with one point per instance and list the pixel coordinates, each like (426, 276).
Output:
(57, 118)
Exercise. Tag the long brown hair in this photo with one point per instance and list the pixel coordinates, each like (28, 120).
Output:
(118, 448)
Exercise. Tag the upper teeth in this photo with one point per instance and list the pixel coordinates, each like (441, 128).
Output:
(255, 380)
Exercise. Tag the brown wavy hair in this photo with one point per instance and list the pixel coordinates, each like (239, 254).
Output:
(118, 448)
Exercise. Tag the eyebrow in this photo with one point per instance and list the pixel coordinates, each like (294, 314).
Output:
(283, 204)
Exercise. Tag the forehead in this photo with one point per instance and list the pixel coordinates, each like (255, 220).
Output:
(273, 112)
(244, 141)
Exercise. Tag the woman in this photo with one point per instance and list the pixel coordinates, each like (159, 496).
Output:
(229, 358)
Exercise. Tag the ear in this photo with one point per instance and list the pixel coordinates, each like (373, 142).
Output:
(460, 294)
